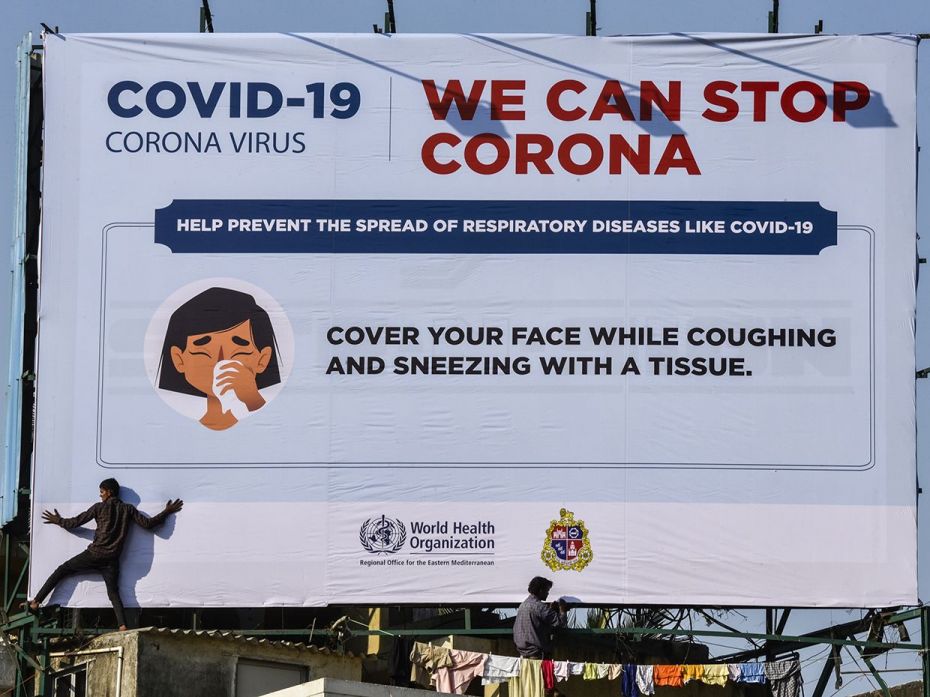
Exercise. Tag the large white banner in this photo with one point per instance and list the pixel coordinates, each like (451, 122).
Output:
(416, 318)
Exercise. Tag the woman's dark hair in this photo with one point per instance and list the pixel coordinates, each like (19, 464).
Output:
(110, 485)
(216, 310)
(539, 587)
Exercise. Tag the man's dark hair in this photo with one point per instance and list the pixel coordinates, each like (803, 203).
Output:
(539, 587)
(110, 485)
(216, 310)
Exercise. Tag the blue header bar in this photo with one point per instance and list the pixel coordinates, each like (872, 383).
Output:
(494, 227)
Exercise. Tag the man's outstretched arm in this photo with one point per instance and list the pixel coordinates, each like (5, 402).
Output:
(53, 517)
(148, 523)
(555, 614)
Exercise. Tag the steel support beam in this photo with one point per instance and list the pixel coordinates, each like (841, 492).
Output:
(875, 674)
(785, 643)
(801, 641)
(905, 615)
(783, 620)
(925, 647)
(10, 598)
(828, 666)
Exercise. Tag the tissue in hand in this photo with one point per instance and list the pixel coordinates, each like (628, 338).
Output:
(229, 401)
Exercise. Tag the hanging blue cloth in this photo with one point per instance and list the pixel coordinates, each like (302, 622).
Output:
(752, 672)
(628, 687)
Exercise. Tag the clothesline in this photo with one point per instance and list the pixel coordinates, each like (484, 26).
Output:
(452, 671)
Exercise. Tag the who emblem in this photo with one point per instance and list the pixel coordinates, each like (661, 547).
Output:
(382, 535)
(567, 545)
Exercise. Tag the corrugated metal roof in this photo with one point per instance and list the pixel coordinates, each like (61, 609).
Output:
(229, 635)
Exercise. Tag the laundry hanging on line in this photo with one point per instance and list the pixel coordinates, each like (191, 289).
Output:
(451, 670)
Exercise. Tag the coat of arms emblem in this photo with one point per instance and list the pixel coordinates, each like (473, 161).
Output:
(382, 535)
(567, 545)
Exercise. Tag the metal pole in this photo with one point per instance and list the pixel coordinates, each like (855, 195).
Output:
(390, 22)
(825, 675)
(206, 18)
(6, 572)
(43, 673)
(769, 629)
(925, 647)
(591, 17)
(773, 18)
(20, 673)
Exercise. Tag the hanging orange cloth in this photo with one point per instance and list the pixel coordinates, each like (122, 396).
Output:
(668, 676)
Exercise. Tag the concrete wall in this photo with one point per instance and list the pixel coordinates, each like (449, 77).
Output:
(157, 663)
(7, 668)
(102, 664)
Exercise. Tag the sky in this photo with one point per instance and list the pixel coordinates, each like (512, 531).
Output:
(507, 16)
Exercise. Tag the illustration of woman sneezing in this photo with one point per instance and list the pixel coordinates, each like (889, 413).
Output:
(220, 345)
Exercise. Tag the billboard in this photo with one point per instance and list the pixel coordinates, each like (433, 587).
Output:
(416, 318)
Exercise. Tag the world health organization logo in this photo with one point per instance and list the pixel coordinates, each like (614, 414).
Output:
(382, 535)
(567, 546)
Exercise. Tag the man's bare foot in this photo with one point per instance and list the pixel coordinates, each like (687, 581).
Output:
(122, 627)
